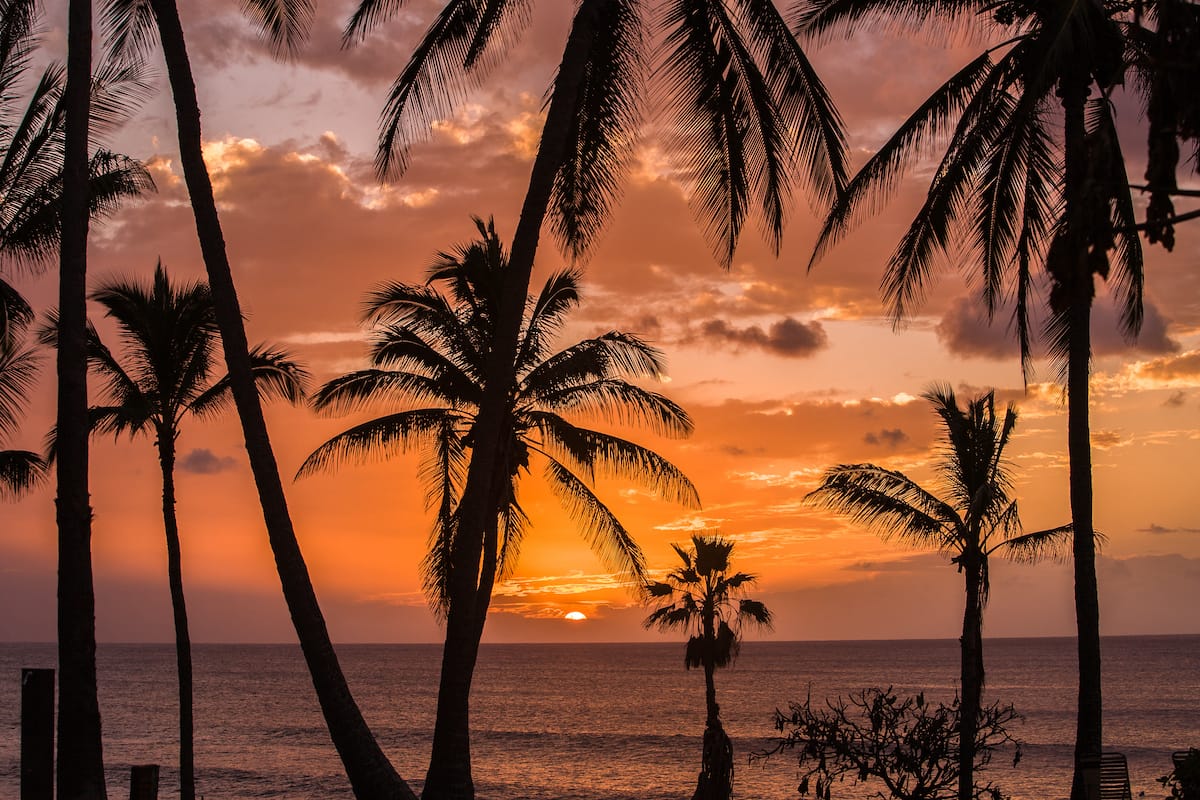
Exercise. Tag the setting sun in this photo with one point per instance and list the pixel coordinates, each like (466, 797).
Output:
(575, 616)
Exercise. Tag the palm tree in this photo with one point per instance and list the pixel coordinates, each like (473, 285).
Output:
(49, 189)
(20, 470)
(169, 337)
(751, 112)
(704, 601)
(134, 26)
(1033, 171)
(971, 517)
(429, 353)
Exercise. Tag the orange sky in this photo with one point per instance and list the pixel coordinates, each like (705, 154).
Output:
(784, 372)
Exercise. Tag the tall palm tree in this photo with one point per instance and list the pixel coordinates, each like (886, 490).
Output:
(1032, 172)
(134, 26)
(704, 601)
(429, 353)
(49, 189)
(20, 470)
(969, 517)
(750, 113)
(169, 335)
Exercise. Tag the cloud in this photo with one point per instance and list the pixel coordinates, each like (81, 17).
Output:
(1157, 529)
(1185, 366)
(1176, 400)
(965, 331)
(1106, 440)
(203, 461)
(890, 438)
(788, 337)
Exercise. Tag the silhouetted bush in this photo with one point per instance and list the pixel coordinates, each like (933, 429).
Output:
(1184, 780)
(909, 744)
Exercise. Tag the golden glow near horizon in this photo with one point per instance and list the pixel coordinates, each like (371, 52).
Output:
(784, 371)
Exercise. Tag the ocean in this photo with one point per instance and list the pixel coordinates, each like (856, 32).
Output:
(599, 721)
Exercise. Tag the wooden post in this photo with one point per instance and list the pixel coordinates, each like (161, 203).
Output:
(143, 782)
(37, 734)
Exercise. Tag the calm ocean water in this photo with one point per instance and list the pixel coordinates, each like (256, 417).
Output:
(597, 721)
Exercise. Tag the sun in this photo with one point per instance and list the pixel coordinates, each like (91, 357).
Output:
(575, 616)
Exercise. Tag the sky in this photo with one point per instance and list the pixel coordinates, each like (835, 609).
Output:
(785, 371)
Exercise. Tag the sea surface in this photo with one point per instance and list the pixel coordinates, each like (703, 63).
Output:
(599, 721)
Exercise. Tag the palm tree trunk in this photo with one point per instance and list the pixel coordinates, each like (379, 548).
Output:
(183, 640)
(1088, 732)
(80, 750)
(971, 677)
(449, 774)
(371, 775)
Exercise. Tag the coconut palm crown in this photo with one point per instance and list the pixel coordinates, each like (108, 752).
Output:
(428, 351)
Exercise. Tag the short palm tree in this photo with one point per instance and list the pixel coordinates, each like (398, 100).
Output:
(1032, 173)
(20, 470)
(750, 116)
(971, 517)
(702, 599)
(165, 373)
(430, 348)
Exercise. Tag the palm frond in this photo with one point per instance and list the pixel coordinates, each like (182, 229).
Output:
(603, 125)
(889, 503)
(284, 23)
(589, 452)
(804, 105)
(277, 376)
(603, 531)
(438, 72)
(129, 27)
(878, 178)
(367, 388)
(1029, 548)
(20, 471)
(18, 374)
(376, 439)
(621, 402)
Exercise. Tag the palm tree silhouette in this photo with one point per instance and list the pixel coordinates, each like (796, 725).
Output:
(169, 338)
(703, 600)
(20, 470)
(51, 185)
(751, 112)
(430, 347)
(972, 517)
(134, 26)
(1033, 171)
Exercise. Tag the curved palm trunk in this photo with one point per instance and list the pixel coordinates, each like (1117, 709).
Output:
(80, 751)
(449, 775)
(183, 640)
(371, 774)
(1088, 732)
(972, 679)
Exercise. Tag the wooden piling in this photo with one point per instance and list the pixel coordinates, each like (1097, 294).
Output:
(143, 782)
(37, 734)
